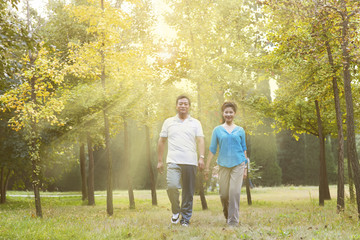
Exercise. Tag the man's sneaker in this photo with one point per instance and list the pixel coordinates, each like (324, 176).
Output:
(175, 218)
(184, 224)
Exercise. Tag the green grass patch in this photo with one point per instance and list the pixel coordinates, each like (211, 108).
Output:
(276, 213)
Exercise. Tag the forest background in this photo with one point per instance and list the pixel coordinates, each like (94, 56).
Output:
(86, 85)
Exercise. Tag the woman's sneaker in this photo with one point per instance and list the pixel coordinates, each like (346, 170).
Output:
(175, 218)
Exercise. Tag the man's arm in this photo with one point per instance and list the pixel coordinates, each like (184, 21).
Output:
(160, 153)
(201, 147)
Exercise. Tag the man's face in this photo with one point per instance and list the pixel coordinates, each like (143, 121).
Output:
(183, 106)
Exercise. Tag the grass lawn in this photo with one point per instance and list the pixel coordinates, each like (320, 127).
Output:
(276, 213)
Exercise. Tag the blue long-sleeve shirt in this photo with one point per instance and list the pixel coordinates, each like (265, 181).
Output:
(231, 146)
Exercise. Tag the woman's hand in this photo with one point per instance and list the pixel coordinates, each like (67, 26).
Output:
(206, 174)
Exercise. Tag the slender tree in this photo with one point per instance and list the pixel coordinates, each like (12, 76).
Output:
(83, 172)
(128, 166)
(90, 181)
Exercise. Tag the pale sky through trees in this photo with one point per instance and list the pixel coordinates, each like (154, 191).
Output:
(161, 29)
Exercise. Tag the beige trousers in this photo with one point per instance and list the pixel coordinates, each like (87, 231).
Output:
(230, 182)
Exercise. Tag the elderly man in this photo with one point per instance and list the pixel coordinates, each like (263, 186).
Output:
(182, 132)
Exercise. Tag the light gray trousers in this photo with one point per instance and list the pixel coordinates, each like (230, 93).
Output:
(181, 176)
(230, 182)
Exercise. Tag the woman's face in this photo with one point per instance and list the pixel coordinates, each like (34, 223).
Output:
(229, 114)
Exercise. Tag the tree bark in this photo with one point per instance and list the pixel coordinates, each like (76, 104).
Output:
(202, 192)
(324, 193)
(339, 122)
(91, 194)
(7, 178)
(2, 186)
(109, 189)
(83, 172)
(351, 144)
(34, 139)
(151, 171)
(247, 180)
(4, 181)
(351, 182)
(200, 173)
(36, 181)
(128, 166)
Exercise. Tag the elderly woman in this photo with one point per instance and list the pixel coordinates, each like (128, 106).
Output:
(232, 161)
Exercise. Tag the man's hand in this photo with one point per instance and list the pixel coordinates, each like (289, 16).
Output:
(201, 164)
(160, 167)
(160, 153)
(245, 173)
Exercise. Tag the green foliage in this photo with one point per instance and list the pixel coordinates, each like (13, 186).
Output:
(40, 78)
(14, 39)
(224, 50)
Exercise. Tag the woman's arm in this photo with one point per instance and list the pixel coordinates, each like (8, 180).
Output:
(207, 167)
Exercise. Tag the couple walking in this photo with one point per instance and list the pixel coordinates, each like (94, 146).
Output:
(183, 134)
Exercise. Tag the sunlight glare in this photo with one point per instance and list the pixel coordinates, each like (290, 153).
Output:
(164, 55)
(162, 30)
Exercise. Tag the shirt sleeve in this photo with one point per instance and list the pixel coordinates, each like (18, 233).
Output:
(199, 130)
(164, 129)
(243, 140)
(214, 142)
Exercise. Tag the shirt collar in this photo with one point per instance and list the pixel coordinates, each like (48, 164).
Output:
(180, 120)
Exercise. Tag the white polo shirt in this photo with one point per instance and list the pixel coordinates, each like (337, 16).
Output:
(182, 139)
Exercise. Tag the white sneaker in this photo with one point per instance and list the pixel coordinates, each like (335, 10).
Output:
(175, 218)
(185, 224)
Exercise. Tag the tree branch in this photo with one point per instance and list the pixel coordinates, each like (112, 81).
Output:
(336, 10)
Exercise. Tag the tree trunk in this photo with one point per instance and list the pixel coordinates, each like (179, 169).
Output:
(351, 144)
(351, 182)
(340, 184)
(194, 63)
(6, 183)
(36, 179)
(109, 189)
(128, 166)
(200, 173)
(247, 180)
(324, 192)
(248, 153)
(202, 192)
(34, 139)
(2, 186)
(91, 194)
(83, 171)
(151, 171)
(34, 150)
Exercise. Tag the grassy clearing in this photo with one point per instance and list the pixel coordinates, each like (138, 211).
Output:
(276, 213)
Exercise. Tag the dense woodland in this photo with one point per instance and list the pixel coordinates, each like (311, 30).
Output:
(85, 87)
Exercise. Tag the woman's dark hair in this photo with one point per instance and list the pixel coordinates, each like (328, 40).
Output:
(181, 97)
(228, 104)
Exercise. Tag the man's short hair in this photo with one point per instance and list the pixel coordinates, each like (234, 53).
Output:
(181, 97)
